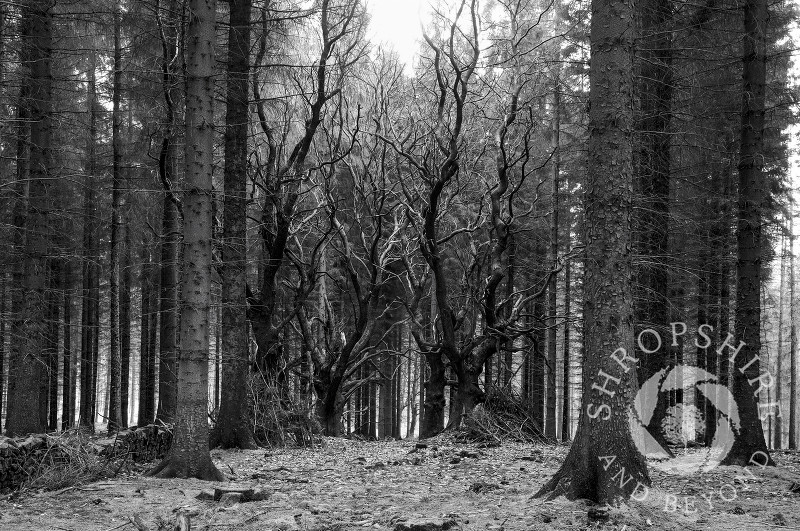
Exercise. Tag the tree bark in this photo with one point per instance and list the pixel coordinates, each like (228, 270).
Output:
(169, 310)
(566, 407)
(91, 257)
(147, 355)
(52, 296)
(603, 453)
(27, 390)
(432, 421)
(233, 421)
(552, 295)
(115, 361)
(792, 443)
(749, 443)
(68, 385)
(777, 435)
(652, 183)
(125, 318)
(189, 455)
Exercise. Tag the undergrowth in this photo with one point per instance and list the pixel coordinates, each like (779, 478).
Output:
(71, 460)
(279, 417)
(503, 416)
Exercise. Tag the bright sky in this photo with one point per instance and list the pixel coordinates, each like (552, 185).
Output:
(396, 23)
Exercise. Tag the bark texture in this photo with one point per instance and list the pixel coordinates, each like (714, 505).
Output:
(189, 455)
(603, 464)
(27, 389)
(233, 422)
(746, 371)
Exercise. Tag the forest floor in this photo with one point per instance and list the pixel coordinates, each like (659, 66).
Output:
(348, 485)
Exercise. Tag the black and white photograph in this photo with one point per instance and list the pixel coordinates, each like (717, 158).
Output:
(399, 265)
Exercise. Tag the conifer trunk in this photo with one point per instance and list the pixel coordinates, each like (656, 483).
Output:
(749, 443)
(603, 450)
(233, 422)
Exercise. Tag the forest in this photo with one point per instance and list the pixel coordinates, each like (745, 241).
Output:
(411, 265)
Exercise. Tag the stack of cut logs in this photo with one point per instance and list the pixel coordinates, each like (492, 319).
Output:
(140, 445)
(22, 458)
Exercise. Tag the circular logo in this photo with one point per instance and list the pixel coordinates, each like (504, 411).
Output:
(682, 423)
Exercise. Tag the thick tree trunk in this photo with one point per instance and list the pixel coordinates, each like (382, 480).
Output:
(27, 389)
(603, 464)
(432, 421)
(749, 444)
(329, 411)
(233, 421)
(189, 455)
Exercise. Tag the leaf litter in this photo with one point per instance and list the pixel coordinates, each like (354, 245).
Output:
(407, 486)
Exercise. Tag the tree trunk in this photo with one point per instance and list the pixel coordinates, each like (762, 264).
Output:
(566, 407)
(27, 389)
(652, 183)
(52, 296)
(189, 455)
(749, 443)
(603, 464)
(169, 309)
(432, 421)
(147, 355)
(125, 321)
(538, 356)
(793, 443)
(777, 439)
(3, 324)
(233, 421)
(68, 385)
(115, 360)
(91, 292)
(552, 295)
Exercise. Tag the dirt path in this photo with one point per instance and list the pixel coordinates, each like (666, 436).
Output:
(348, 485)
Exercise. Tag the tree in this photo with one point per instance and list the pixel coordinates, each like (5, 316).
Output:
(90, 314)
(189, 456)
(652, 162)
(792, 349)
(172, 210)
(27, 390)
(115, 421)
(603, 464)
(233, 421)
(749, 443)
(777, 441)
